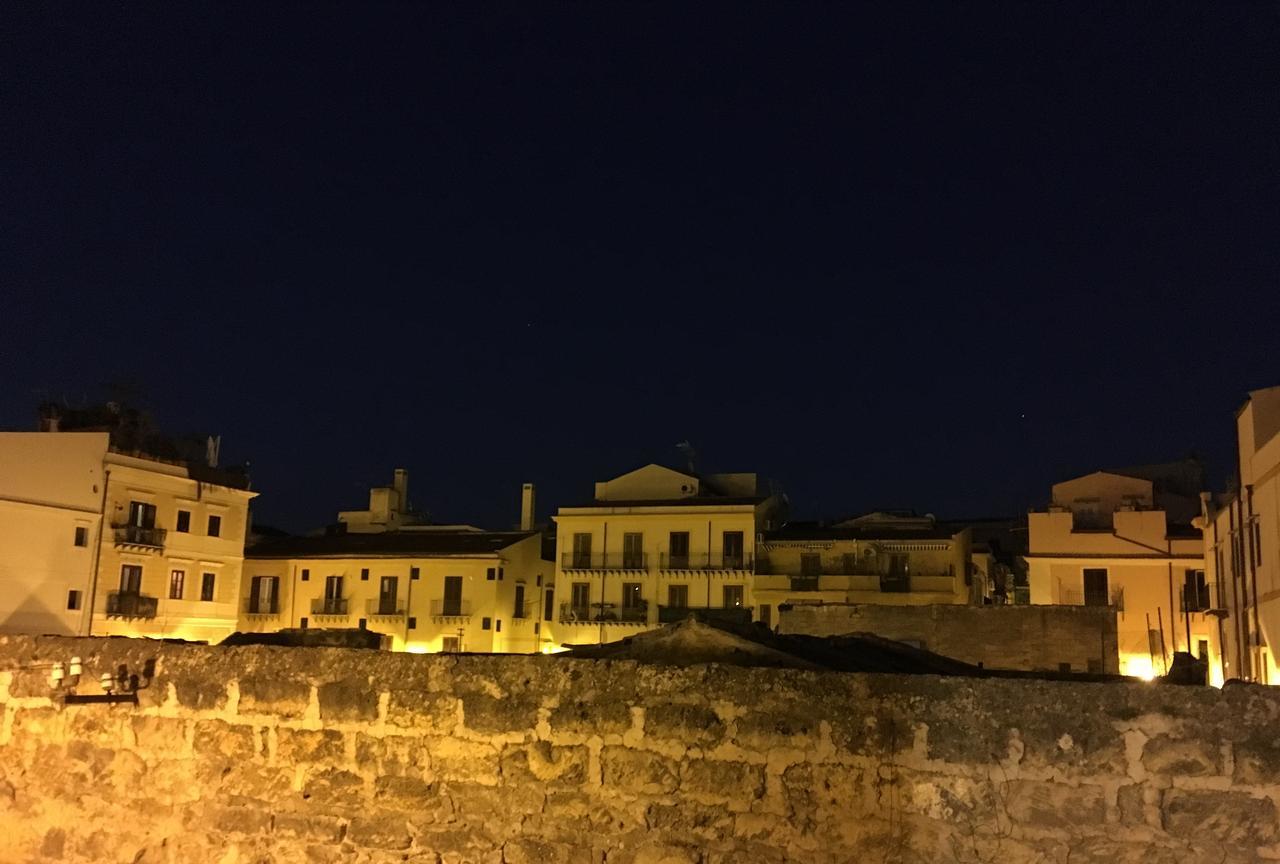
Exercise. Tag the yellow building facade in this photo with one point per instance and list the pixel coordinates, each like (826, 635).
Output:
(102, 542)
(654, 546)
(423, 589)
(1242, 543)
(880, 558)
(1111, 539)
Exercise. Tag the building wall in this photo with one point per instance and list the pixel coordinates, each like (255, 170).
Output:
(997, 637)
(194, 552)
(483, 598)
(50, 485)
(1146, 571)
(269, 754)
(606, 577)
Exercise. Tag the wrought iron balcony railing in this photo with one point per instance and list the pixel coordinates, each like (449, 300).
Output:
(450, 608)
(668, 561)
(136, 535)
(605, 561)
(258, 606)
(384, 606)
(329, 606)
(1207, 598)
(1113, 597)
(604, 613)
(129, 604)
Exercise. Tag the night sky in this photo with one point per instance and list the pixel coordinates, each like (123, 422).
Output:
(892, 255)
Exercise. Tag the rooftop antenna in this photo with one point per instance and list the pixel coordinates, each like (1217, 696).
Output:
(689, 455)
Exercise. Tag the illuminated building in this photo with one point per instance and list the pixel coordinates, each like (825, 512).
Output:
(879, 558)
(108, 529)
(654, 546)
(425, 588)
(1124, 538)
(1242, 543)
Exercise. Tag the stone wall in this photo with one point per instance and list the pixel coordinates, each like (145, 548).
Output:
(278, 755)
(999, 637)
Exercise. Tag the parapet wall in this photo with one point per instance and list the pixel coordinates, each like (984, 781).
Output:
(279, 755)
(999, 637)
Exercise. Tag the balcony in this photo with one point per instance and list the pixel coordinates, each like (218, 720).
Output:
(828, 567)
(897, 583)
(668, 561)
(1205, 599)
(620, 561)
(137, 537)
(384, 607)
(735, 616)
(127, 604)
(605, 613)
(1114, 597)
(331, 606)
(804, 583)
(257, 606)
(448, 609)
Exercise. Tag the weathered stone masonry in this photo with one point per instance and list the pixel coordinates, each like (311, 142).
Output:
(318, 755)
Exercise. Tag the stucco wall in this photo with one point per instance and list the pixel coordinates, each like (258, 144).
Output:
(325, 755)
(1003, 637)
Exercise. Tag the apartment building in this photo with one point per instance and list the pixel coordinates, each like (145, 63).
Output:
(102, 535)
(889, 558)
(1124, 538)
(1242, 544)
(654, 546)
(423, 587)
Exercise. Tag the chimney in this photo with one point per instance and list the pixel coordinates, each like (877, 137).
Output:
(526, 507)
(401, 485)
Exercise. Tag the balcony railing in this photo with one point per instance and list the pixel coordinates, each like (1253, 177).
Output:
(136, 535)
(732, 615)
(329, 606)
(450, 608)
(384, 606)
(605, 561)
(668, 561)
(127, 604)
(1207, 598)
(829, 567)
(604, 613)
(1074, 597)
(257, 606)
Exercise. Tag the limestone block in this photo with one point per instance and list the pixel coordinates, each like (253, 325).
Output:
(1054, 806)
(383, 831)
(423, 710)
(639, 771)
(312, 827)
(350, 700)
(726, 781)
(333, 787)
(272, 694)
(1230, 817)
(309, 745)
(541, 762)
(578, 717)
(690, 725)
(1187, 757)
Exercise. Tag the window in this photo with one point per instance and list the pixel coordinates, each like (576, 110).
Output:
(414, 573)
(1202, 649)
(452, 596)
(497, 626)
(302, 622)
(388, 601)
(766, 614)
(215, 526)
(450, 644)
(130, 578)
(142, 514)
(176, 578)
(364, 574)
(678, 550)
(1195, 593)
(580, 600)
(499, 574)
(306, 575)
(678, 596)
(413, 623)
(631, 598)
(208, 582)
(264, 595)
(491, 574)
(1095, 586)
(519, 610)
(581, 551)
(539, 581)
(733, 596)
(486, 623)
(733, 558)
(82, 535)
(633, 551)
(849, 563)
(183, 525)
(73, 599)
(363, 623)
(810, 565)
(548, 604)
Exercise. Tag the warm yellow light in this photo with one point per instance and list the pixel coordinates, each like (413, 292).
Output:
(1138, 666)
(416, 649)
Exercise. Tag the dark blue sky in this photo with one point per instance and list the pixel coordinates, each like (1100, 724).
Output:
(930, 255)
